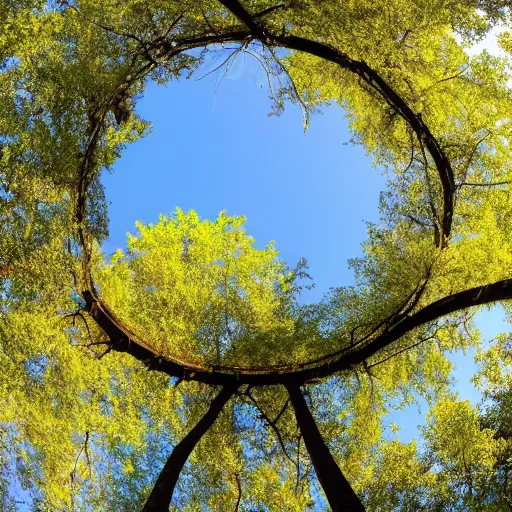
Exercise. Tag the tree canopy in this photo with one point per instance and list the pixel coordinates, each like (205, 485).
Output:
(185, 373)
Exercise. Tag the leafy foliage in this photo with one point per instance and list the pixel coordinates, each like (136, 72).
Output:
(86, 427)
(224, 300)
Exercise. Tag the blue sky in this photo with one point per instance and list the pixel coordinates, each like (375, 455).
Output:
(214, 147)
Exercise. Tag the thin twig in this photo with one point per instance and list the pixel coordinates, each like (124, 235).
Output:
(401, 351)
(230, 56)
(264, 65)
(239, 486)
(82, 448)
(304, 107)
(493, 184)
(272, 425)
(268, 10)
(471, 156)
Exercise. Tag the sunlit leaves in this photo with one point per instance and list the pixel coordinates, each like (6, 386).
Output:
(202, 291)
(85, 428)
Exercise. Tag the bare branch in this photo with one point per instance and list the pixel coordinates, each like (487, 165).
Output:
(472, 156)
(375, 81)
(492, 184)
(83, 448)
(418, 221)
(230, 56)
(460, 72)
(285, 406)
(269, 10)
(272, 424)
(239, 487)
(401, 351)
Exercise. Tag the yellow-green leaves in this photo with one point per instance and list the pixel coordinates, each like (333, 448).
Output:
(86, 428)
(202, 291)
(454, 434)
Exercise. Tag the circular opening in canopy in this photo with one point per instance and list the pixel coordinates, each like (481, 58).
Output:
(204, 292)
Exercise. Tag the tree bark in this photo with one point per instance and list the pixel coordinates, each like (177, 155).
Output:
(324, 366)
(338, 491)
(160, 498)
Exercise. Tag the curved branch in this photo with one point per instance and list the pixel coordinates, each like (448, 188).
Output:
(169, 49)
(374, 80)
(166, 50)
(422, 131)
(124, 341)
(120, 337)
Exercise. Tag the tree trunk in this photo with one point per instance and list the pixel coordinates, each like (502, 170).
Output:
(160, 498)
(339, 494)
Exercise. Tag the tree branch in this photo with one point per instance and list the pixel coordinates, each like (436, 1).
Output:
(374, 80)
(161, 495)
(124, 341)
(269, 10)
(272, 424)
(493, 184)
(239, 487)
(401, 351)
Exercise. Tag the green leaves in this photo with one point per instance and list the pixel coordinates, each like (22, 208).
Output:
(454, 434)
(86, 428)
(201, 291)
